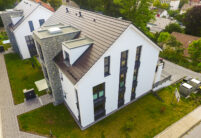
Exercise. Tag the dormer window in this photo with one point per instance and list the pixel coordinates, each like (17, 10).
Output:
(73, 49)
(67, 58)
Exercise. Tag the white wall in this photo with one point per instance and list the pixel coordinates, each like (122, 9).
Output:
(69, 90)
(23, 30)
(129, 40)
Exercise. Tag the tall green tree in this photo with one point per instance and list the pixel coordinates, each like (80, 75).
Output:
(173, 27)
(6, 4)
(138, 12)
(195, 51)
(192, 21)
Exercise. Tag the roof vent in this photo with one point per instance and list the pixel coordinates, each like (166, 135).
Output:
(80, 14)
(94, 20)
(54, 30)
(67, 10)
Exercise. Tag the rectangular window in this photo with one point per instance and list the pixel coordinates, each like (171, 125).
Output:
(67, 58)
(122, 77)
(99, 101)
(107, 66)
(31, 45)
(124, 56)
(40, 51)
(41, 22)
(31, 26)
(136, 69)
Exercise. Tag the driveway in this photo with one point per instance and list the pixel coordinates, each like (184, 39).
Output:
(179, 72)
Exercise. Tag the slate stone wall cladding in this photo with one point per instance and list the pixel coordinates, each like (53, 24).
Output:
(50, 48)
(6, 19)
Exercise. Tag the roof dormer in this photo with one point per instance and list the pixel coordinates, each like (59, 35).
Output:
(73, 49)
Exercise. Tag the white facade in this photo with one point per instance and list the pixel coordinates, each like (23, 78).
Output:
(129, 40)
(24, 30)
(164, 14)
(174, 5)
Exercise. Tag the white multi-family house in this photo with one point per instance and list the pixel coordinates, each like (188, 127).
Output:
(96, 64)
(21, 21)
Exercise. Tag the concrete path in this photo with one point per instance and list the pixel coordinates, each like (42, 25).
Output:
(179, 128)
(9, 112)
(179, 72)
(194, 132)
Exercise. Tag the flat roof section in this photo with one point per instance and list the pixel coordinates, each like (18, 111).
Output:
(44, 31)
(187, 85)
(78, 42)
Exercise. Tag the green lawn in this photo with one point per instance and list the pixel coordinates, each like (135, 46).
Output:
(22, 75)
(144, 118)
(3, 36)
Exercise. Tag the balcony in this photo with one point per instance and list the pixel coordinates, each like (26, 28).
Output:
(99, 113)
(99, 101)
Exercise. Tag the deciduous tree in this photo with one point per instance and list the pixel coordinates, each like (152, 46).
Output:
(137, 11)
(174, 27)
(192, 21)
(195, 51)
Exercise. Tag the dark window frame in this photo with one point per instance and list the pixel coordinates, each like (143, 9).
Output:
(99, 102)
(107, 65)
(123, 71)
(136, 71)
(41, 21)
(98, 91)
(31, 26)
(40, 51)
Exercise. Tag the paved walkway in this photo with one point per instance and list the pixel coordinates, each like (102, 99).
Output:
(194, 133)
(179, 128)
(9, 112)
(179, 72)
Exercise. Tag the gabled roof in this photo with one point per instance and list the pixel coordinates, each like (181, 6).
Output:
(103, 30)
(185, 40)
(28, 7)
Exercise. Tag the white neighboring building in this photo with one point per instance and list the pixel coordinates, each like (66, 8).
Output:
(174, 4)
(162, 13)
(21, 21)
(159, 24)
(94, 63)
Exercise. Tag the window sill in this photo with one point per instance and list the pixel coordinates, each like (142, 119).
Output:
(108, 74)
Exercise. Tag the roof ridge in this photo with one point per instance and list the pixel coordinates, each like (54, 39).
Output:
(94, 12)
